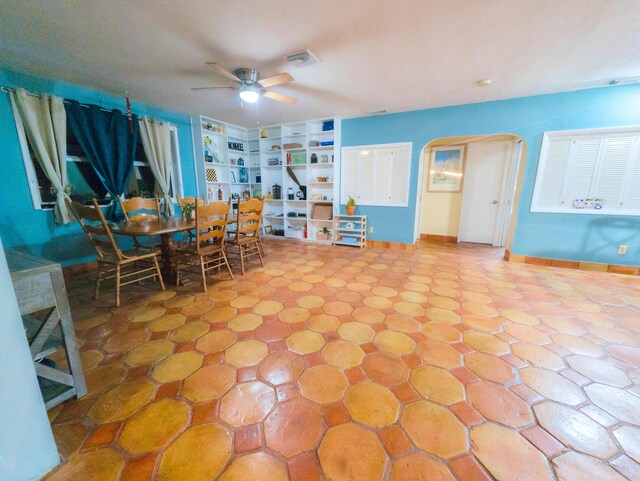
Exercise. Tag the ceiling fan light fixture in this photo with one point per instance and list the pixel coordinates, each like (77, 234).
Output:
(249, 95)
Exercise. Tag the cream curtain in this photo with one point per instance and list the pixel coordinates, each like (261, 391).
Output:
(156, 140)
(44, 121)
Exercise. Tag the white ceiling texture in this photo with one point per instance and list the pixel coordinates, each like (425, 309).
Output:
(395, 54)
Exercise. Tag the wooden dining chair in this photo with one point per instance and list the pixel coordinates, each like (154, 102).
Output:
(126, 267)
(246, 235)
(208, 251)
(182, 203)
(138, 209)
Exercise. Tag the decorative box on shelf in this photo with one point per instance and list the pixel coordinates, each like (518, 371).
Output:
(350, 230)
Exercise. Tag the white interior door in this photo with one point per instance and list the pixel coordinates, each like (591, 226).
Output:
(482, 193)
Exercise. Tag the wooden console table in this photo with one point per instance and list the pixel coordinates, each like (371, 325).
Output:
(39, 287)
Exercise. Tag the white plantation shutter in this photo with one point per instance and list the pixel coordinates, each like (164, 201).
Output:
(599, 165)
(582, 166)
(377, 174)
(550, 192)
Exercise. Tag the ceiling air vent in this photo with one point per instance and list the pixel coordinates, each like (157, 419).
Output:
(303, 58)
(381, 111)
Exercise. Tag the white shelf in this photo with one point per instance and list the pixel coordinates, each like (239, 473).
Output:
(321, 183)
(211, 165)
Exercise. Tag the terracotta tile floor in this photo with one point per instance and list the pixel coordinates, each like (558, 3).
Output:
(337, 364)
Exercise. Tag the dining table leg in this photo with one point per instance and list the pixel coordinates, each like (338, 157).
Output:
(170, 260)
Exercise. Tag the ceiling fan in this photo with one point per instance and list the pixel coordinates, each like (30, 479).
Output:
(251, 86)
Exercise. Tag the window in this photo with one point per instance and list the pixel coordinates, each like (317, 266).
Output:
(589, 172)
(377, 174)
(86, 184)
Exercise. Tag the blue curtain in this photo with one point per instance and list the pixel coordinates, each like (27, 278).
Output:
(108, 143)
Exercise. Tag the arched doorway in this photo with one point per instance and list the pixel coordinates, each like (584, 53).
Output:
(443, 214)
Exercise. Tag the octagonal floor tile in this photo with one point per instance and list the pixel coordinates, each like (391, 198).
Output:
(394, 342)
(575, 429)
(179, 301)
(96, 465)
(220, 314)
(351, 453)
(167, 322)
(439, 354)
(442, 332)
(402, 323)
(305, 342)
(343, 354)
(267, 308)
(356, 332)
(190, 331)
(292, 315)
(434, 429)
(621, 404)
(216, 341)
(487, 343)
(246, 353)
(385, 368)
(245, 322)
(527, 334)
(122, 401)
(552, 385)
(445, 316)
(323, 323)
(418, 467)
(293, 428)
(208, 383)
(498, 404)
(309, 302)
(483, 323)
(152, 427)
(103, 378)
(367, 315)
(177, 366)
(437, 385)
(372, 404)
(598, 371)
(323, 384)
(578, 344)
(281, 368)
(241, 302)
(573, 466)
(519, 317)
(490, 367)
(146, 314)
(198, 308)
(247, 403)
(408, 308)
(629, 439)
(538, 356)
(507, 455)
(259, 466)
(205, 449)
(149, 353)
(125, 341)
(337, 308)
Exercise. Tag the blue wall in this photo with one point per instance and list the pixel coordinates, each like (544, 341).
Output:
(592, 238)
(20, 223)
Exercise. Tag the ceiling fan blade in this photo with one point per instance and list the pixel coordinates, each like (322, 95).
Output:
(212, 88)
(279, 97)
(224, 72)
(281, 78)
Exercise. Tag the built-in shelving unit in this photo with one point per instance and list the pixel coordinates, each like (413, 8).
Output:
(231, 168)
(310, 148)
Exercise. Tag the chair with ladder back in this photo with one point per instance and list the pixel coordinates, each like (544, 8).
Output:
(246, 235)
(126, 267)
(208, 249)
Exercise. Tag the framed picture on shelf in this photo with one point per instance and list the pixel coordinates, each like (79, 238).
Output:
(232, 177)
(446, 168)
(268, 230)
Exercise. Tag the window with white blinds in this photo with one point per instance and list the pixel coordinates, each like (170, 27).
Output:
(589, 172)
(377, 174)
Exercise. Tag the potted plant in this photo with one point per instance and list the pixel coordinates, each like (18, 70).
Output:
(323, 234)
(351, 206)
(188, 210)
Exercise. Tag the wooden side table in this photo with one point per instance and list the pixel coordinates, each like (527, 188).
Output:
(39, 287)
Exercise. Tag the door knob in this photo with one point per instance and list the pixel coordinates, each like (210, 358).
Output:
(493, 202)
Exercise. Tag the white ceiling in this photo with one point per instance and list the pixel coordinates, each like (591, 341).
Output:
(395, 54)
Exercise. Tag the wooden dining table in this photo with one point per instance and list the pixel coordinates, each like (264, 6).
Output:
(166, 227)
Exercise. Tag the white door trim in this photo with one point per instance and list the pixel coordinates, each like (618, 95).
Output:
(420, 192)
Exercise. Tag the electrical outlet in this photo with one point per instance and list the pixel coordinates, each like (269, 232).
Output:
(370, 229)
(622, 249)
